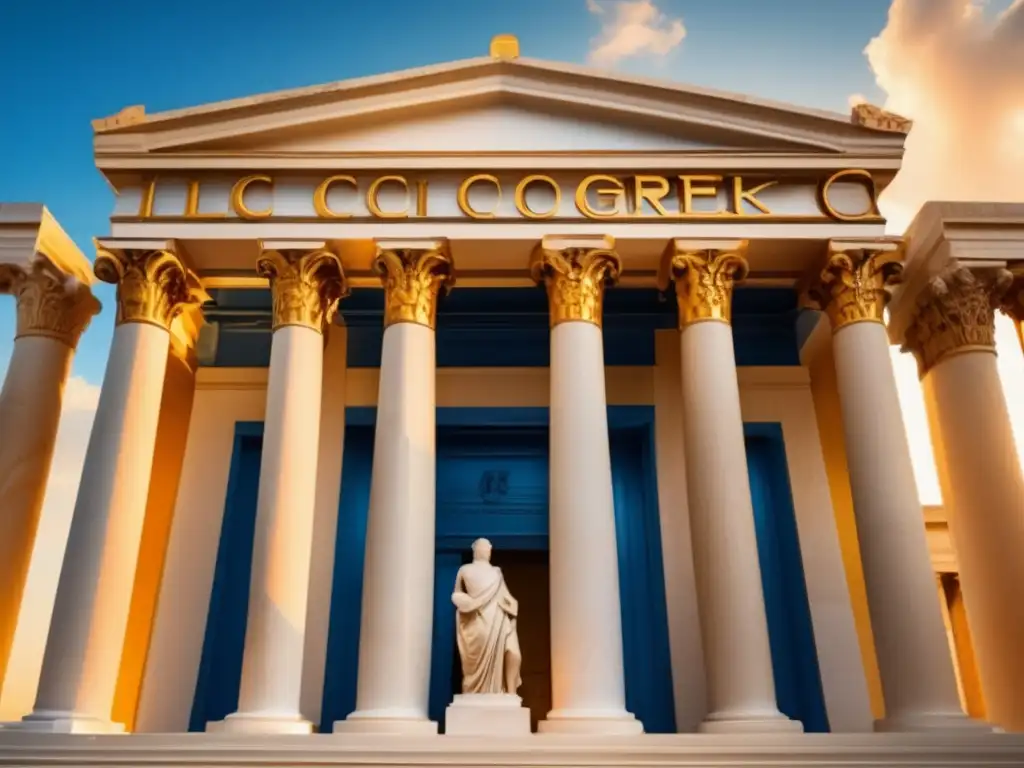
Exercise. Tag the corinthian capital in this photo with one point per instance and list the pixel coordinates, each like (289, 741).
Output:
(306, 284)
(576, 274)
(153, 286)
(956, 313)
(50, 302)
(414, 275)
(704, 274)
(855, 284)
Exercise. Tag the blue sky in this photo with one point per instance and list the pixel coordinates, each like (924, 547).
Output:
(66, 62)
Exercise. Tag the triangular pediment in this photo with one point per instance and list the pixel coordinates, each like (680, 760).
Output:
(494, 106)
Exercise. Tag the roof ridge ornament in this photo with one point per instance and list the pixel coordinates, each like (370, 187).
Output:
(870, 116)
(132, 115)
(505, 47)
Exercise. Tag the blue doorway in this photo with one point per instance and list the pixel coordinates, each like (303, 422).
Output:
(492, 481)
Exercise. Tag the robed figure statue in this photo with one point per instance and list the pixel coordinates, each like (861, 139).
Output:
(485, 626)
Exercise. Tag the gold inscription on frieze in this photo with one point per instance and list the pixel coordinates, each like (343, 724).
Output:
(462, 196)
(612, 197)
(855, 175)
(524, 207)
(598, 196)
(237, 197)
(702, 185)
(323, 210)
(373, 198)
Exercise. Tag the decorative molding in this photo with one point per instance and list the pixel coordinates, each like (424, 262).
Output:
(956, 314)
(128, 116)
(870, 116)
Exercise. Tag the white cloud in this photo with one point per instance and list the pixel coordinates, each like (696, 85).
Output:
(855, 99)
(958, 73)
(77, 414)
(632, 28)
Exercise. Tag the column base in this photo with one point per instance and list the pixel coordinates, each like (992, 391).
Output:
(246, 723)
(749, 722)
(48, 721)
(607, 722)
(397, 722)
(930, 722)
(487, 714)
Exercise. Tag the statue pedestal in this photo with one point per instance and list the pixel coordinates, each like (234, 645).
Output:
(487, 714)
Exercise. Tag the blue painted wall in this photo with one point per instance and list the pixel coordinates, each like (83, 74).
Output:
(510, 326)
(220, 667)
(645, 633)
(794, 655)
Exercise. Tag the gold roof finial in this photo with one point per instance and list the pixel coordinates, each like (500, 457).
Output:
(505, 47)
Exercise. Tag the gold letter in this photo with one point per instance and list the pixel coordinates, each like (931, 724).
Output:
(462, 197)
(860, 175)
(192, 204)
(616, 192)
(238, 197)
(739, 195)
(373, 193)
(524, 208)
(320, 197)
(421, 197)
(687, 191)
(652, 196)
(146, 203)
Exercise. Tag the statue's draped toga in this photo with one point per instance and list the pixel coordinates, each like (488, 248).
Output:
(485, 625)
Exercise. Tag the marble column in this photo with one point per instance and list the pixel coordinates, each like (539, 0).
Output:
(90, 614)
(730, 599)
(914, 662)
(588, 693)
(53, 310)
(398, 578)
(306, 283)
(952, 335)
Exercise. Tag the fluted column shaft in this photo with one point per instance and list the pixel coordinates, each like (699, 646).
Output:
(953, 338)
(53, 311)
(916, 669)
(90, 614)
(730, 598)
(588, 683)
(306, 285)
(398, 578)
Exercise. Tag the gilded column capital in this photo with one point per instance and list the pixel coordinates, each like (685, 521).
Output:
(153, 286)
(704, 279)
(414, 275)
(955, 313)
(306, 285)
(50, 303)
(575, 278)
(854, 285)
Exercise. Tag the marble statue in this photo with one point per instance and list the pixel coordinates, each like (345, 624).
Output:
(485, 626)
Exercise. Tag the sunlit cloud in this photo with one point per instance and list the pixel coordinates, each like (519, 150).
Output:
(632, 28)
(958, 73)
